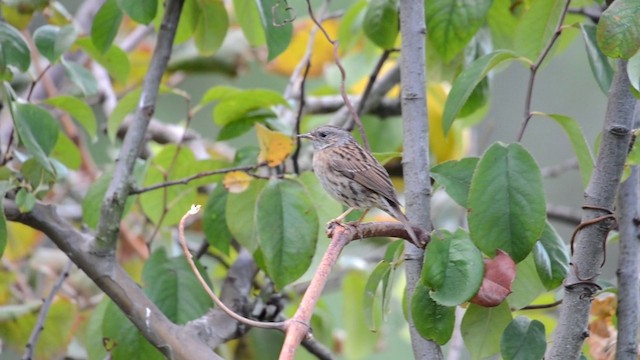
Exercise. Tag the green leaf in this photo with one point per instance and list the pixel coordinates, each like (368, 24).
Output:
(350, 29)
(395, 256)
(81, 77)
(455, 176)
(381, 23)
(38, 131)
(214, 220)
(432, 320)
(286, 230)
(52, 41)
(240, 214)
(35, 174)
(381, 270)
(125, 106)
(78, 109)
(25, 200)
(171, 284)
(359, 343)
(4, 186)
(244, 125)
(105, 25)
(93, 342)
(217, 93)
(599, 63)
(633, 70)
(452, 23)
(551, 257)
(506, 205)
(210, 26)
(453, 268)
(579, 143)
(276, 18)
(141, 11)
(526, 286)
(14, 50)
(67, 152)
(482, 329)
(235, 106)
(502, 24)
(92, 201)
(168, 205)
(250, 22)
(326, 207)
(123, 339)
(536, 27)
(618, 31)
(523, 339)
(114, 60)
(466, 82)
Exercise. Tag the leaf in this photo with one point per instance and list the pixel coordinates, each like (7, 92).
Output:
(250, 22)
(455, 176)
(14, 50)
(523, 339)
(237, 181)
(52, 41)
(105, 25)
(217, 93)
(38, 131)
(499, 274)
(579, 143)
(92, 201)
(236, 106)
(275, 146)
(214, 220)
(276, 19)
(126, 105)
(286, 229)
(173, 287)
(239, 127)
(618, 31)
(502, 23)
(358, 343)
(326, 207)
(350, 29)
(506, 206)
(210, 26)
(482, 329)
(453, 268)
(432, 320)
(381, 23)
(123, 340)
(633, 70)
(240, 214)
(169, 204)
(381, 270)
(599, 63)
(141, 11)
(67, 152)
(466, 82)
(81, 77)
(114, 60)
(536, 27)
(526, 286)
(551, 257)
(78, 109)
(452, 23)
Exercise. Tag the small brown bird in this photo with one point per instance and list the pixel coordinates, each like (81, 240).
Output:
(351, 175)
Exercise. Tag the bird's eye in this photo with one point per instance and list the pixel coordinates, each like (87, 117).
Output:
(322, 134)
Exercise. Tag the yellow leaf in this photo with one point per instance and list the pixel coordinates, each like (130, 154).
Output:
(322, 52)
(456, 144)
(274, 146)
(21, 241)
(236, 181)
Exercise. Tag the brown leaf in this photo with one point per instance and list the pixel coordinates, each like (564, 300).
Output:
(499, 273)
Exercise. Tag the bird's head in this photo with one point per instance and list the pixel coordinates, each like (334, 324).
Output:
(327, 136)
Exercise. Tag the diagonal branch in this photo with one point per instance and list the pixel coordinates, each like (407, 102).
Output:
(118, 191)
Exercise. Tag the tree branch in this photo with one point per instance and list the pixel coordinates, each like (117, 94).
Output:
(174, 341)
(599, 198)
(118, 191)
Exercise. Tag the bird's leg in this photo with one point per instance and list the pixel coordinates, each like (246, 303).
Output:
(342, 216)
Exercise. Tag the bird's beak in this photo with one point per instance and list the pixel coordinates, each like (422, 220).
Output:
(306, 136)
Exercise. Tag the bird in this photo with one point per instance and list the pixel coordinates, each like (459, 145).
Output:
(353, 176)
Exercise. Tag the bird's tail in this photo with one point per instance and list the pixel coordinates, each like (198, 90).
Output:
(394, 210)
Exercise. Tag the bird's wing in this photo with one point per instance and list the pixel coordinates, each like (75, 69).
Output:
(356, 163)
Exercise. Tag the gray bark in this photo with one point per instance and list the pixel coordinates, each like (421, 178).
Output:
(415, 159)
(599, 200)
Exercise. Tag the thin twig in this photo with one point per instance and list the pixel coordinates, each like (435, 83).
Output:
(42, 316)
(294, 157)
(33, 84)
(542, 306)
(183, 242)
(343, 77)
(372, 80)
(534, 70)
(188, 179)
